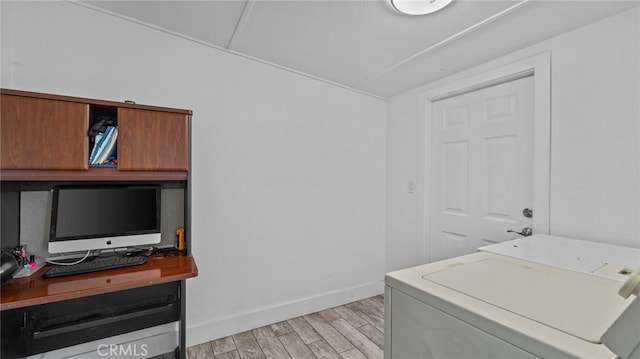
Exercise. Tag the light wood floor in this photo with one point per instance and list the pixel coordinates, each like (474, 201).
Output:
(350, 331)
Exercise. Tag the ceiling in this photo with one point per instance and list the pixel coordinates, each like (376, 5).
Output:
(366, 45)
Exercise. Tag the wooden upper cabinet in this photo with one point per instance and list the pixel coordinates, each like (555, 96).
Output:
(43, 134)
(45, 137)
(152, 140)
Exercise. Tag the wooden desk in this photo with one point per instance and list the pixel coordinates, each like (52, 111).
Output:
(159, 269)
(34, 290)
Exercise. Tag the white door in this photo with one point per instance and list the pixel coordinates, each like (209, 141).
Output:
(481, 167)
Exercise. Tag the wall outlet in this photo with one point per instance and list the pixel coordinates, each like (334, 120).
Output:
(411, 187)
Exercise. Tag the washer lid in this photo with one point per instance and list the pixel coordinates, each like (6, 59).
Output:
(567, 253)
(578, 304)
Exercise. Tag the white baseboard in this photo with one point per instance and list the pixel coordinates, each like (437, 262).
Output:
(222, 327)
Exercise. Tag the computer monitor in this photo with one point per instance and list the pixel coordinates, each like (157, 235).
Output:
(104, 217)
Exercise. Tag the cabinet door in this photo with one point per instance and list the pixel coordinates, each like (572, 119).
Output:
(152, 140)
(43, 134)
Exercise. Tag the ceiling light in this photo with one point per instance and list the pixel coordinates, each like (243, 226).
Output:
(419, 7)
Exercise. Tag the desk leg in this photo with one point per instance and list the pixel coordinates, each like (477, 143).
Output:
(182, 345)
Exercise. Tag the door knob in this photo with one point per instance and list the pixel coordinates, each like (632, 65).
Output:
(527, 212)
(526, 231)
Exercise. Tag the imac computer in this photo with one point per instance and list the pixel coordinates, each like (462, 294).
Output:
(87, 218)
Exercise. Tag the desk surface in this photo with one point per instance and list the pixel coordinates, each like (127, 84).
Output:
(35, 290)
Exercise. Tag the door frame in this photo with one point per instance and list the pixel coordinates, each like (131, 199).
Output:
(538, 66)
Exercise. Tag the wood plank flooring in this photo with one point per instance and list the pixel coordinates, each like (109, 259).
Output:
(350, 331)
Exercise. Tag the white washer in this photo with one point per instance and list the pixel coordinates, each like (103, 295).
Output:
(488, 305)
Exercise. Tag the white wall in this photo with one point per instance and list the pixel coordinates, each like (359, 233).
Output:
(595, 136)
(288, 172)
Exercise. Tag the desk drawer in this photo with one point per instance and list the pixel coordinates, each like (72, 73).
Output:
(56, 325)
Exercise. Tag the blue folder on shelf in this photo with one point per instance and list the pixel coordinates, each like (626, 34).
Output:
(104, 147)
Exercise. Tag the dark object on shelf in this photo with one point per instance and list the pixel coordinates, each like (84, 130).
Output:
(9, 265)
(101, 124)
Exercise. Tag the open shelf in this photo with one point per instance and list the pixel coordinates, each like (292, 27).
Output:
(102, 117)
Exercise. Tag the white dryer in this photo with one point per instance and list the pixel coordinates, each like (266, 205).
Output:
(489, 305)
